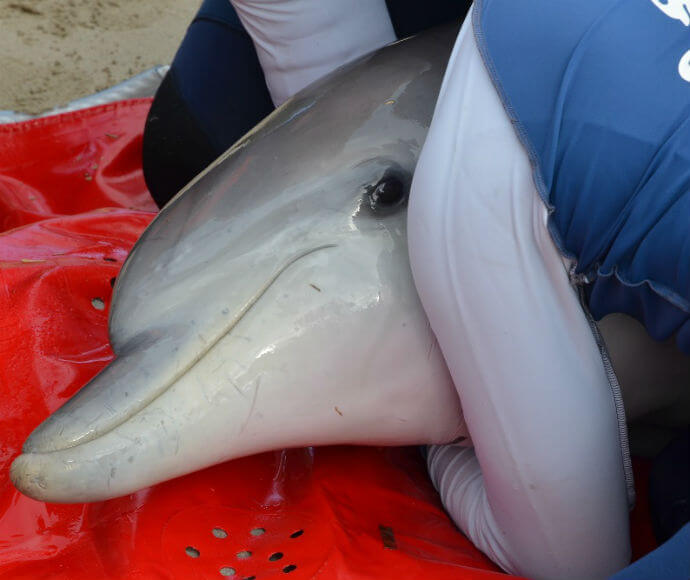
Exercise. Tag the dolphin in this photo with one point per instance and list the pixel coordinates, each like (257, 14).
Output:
(270, 304)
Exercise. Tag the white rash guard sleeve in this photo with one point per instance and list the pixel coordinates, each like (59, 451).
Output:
(299, 41)
(545, 496)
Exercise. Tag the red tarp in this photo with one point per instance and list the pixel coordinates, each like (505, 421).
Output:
(72, 203)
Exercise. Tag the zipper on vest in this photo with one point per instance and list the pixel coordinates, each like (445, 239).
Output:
(579, 280)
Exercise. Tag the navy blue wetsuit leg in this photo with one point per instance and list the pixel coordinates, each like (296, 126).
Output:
(411, 16)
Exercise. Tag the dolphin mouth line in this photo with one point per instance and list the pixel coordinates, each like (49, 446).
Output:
(210, 345)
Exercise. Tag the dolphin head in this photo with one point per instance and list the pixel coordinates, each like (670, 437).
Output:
(270, 304)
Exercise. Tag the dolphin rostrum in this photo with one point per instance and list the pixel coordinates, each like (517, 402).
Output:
(271, 303)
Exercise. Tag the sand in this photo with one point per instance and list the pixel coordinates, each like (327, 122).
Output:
(54, 51)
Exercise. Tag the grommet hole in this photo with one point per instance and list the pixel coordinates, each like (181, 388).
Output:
(244, 555)
(219, 533)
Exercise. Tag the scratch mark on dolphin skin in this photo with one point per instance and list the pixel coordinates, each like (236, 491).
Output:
(253, 404)
(234, 384)
(315, 287)
(338, 411)
(299, 112)
(132, 440)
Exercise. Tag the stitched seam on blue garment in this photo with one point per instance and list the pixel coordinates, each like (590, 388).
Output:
(660, 289)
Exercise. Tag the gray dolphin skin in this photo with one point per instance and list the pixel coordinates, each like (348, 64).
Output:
(270, 304)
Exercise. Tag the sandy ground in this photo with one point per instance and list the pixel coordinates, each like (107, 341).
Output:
(54, 51)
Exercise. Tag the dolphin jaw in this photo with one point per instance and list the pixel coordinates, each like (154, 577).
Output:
(57, 432)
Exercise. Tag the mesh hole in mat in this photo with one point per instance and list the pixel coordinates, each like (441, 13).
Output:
(231, 545)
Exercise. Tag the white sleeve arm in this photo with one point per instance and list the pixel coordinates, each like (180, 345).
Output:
(299, 41)
(545, 496)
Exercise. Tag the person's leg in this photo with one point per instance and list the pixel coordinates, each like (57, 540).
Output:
(213, 94)
(412, 16)
(300, 41)
(545, 496)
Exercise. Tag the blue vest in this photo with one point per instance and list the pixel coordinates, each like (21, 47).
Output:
(599, 92)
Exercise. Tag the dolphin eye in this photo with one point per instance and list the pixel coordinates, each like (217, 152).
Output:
(387, 194)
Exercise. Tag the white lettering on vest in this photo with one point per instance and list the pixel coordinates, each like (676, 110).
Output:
(684, 67)
(678, 9)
